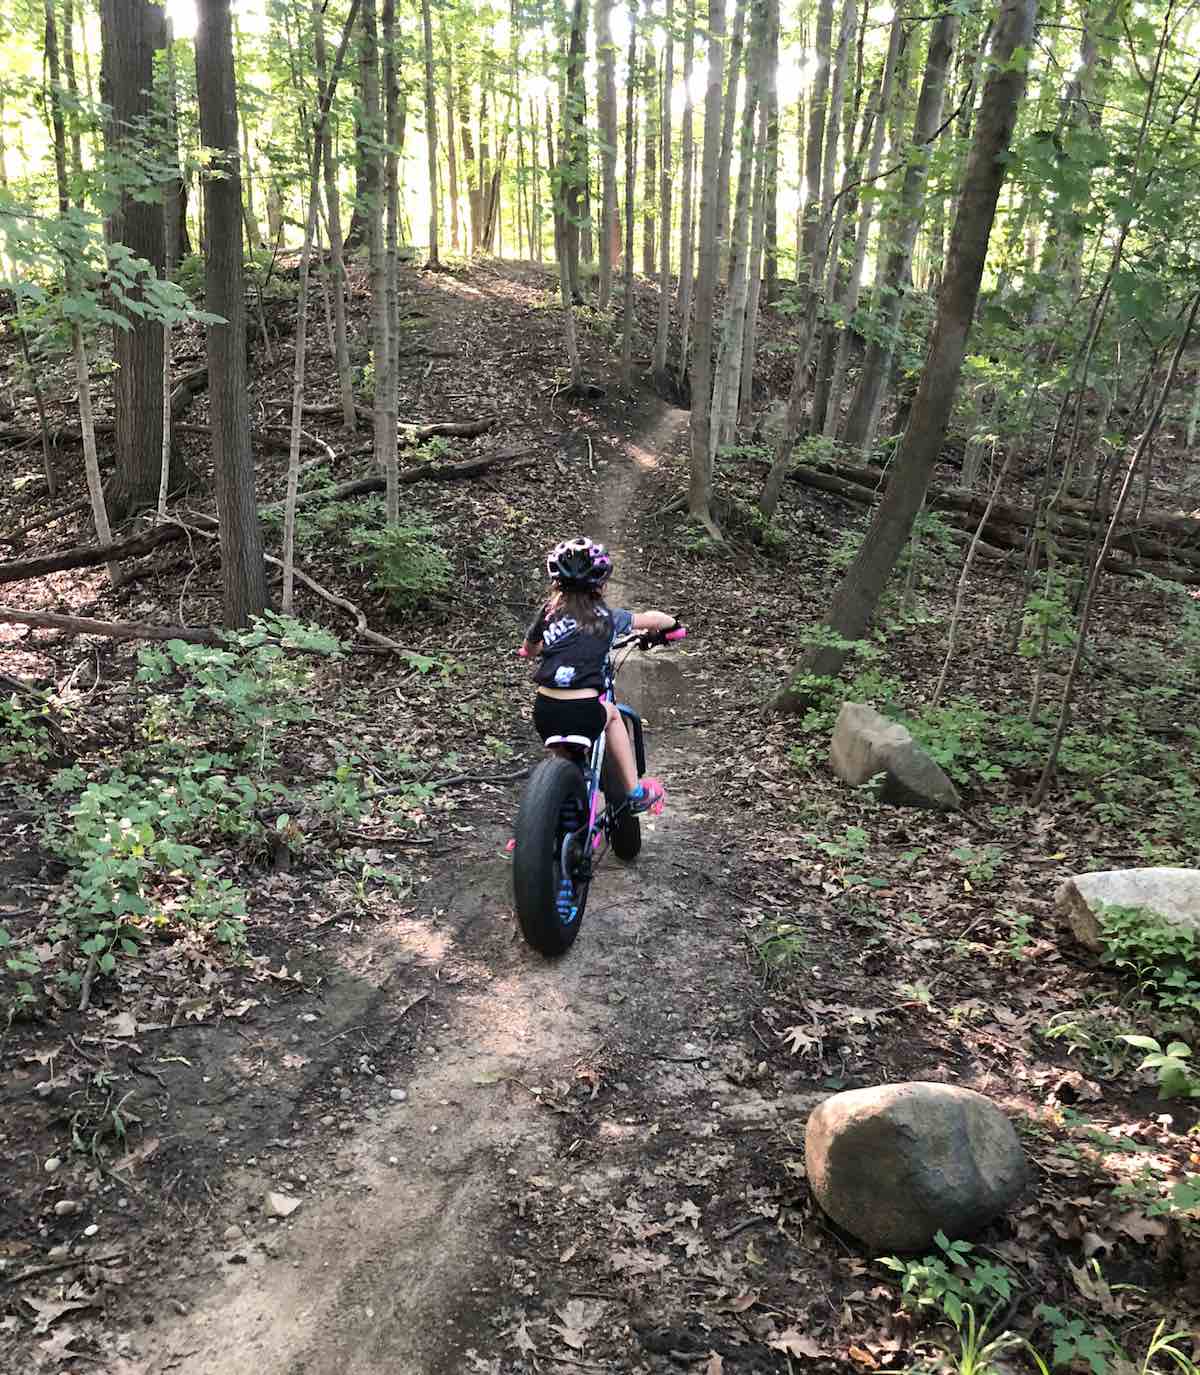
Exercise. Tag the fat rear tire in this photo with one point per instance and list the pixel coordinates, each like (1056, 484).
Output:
(554, 804)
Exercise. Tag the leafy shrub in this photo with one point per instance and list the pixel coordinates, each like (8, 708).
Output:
(1163, 957)
(408, 563)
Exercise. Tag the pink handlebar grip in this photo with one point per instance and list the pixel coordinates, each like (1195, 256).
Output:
(678, 634)
(522, 653)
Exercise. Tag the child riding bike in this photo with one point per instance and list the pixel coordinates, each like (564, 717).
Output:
(571, 638)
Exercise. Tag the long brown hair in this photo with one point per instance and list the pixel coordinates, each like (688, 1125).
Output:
(585, 604)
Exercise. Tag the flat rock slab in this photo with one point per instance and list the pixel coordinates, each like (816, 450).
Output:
(866, 744)
(896, 1164)
(1172, 894)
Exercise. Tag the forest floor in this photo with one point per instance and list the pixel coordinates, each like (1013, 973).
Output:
(493, 1163)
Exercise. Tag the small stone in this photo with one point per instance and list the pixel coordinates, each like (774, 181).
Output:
(90, 1230)
(232, 1233)
(328, 1120)
(280, 1205)
(58, 1253)
(1167, 895)
(66, 1207)
(866, 744)
(53, 1165)
(344, 1095)
(398, 1096)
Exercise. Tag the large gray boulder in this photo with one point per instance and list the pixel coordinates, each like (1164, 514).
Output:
(1173, 895)
(865, 744)
(896, 1164)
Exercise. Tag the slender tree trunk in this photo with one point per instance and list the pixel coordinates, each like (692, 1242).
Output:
(687, 248)
(606, 109)
(654, 116)
(431, 134)
(662, 336)
(170, 260)
(387, 382)
(857, 596)
(333, 210)
(896, 264)
(1085, 619)
(733, 71)
(319, 135)
(630, 189)
(536, 208)
(798, 394)
(728, 372)
(762, 173)
(132, 30)
(558, 172)
(242, 568)
(575, 183)
(770, 268)
(849, 301)
(374, 207)
(814, 145)
(700, 490)
(68, 56)
(451, 142)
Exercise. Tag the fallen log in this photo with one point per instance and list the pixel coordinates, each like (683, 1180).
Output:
(1001, 535)
(134, 546)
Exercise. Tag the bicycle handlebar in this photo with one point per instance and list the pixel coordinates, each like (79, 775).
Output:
(647, 639)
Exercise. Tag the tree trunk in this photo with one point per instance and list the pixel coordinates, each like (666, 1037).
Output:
(700, 489)
(813, 300)
(856, 598)
(849, 301)
(654, 116)
(662, 336)
(687, 247)
(815, 144)
(770, 268)
(431, 135)
(895, 265)
(374, 209)
(575, 156)
(606, 110)
(387, 378)
(733, 71)
(73, 117)
(132, 30)
(558, 174)
(333, 210)
(451, 142)
(242, 568)
(630, 189)
(728, 372)
(762, 172)
(91, 461)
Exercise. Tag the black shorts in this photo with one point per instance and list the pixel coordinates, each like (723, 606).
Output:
(569, 716)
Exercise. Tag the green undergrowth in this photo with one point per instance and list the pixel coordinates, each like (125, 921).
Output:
(152, 832)
(979, 1316)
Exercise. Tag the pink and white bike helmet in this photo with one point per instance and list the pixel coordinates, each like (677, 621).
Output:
(579, 562)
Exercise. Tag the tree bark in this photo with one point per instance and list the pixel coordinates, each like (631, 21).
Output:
(131, 31)
(856, 598)
(733, 74)
(243, 572)
(849, 301)
(894, 267)
(762, 173)
(575, 160)
(630, 194)
(654, 116)
(662, 335)
(700, 487)
(798, 394)
(770, 268)
(815, 145)
(606, 110)
(687, 248)
(431, 134)
(73, 119)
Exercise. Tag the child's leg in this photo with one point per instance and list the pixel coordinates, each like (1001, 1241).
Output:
(620, 750)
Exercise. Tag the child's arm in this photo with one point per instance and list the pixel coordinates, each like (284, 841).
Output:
(653, 620)
(531, 646)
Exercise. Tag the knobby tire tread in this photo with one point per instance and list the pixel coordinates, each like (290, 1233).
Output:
(554, 782)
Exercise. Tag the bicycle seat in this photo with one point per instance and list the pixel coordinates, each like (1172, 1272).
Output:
(582, 742)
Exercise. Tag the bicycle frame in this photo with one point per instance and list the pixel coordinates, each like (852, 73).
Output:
(598, 824)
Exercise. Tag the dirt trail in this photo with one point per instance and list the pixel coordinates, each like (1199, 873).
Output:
(399, 1268)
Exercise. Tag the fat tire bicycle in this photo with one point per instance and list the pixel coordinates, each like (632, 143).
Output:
(561, 836)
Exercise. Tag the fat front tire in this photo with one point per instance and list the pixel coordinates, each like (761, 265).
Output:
(554, 805)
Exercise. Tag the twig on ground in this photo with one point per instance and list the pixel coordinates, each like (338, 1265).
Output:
(74, 1263)
(85, 992)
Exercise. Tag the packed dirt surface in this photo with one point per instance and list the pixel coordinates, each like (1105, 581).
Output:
(532, 1081)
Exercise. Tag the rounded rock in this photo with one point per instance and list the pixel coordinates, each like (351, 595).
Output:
(895, 1164)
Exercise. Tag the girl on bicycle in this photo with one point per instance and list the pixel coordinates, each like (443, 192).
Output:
(571, 639)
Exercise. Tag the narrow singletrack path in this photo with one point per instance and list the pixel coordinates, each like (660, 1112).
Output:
(404, 1267)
